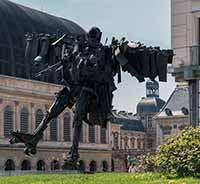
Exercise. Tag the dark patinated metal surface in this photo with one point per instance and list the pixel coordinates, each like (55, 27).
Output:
(87, 70)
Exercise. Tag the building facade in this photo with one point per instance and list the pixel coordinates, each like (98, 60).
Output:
(23, 104)
(16, 22)
(185, 38)
(127, 138)
(174, 116)
(24, 100)
(147, 108)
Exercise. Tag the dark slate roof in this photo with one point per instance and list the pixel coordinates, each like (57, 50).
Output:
(127, 122)
(17, 20)
(150, 104)
(178, 100)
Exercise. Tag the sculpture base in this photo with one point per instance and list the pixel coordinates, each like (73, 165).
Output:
(69, 165)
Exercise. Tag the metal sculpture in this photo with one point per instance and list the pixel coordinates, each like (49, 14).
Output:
(88, 69)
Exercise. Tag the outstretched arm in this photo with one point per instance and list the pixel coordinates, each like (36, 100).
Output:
(141, 61)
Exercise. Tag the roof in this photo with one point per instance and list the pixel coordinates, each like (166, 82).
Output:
(150, 105)
(17, 20)
(127, 122)
(177, 104)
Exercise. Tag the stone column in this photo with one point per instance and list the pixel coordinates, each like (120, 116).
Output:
(58, 129)
(99, 165)
(32, 118)
(2, 162)
(86, 133)
(109, 135)
(1, 119)
(129, 143)
(71, 125)
(136, 144)
(46, 136)
(112, 139)
(119, 140)
(16, 116)
(122, 143)
(87, 165)
(61, 128)
(109, 165)
(97, 135)
(142, 143)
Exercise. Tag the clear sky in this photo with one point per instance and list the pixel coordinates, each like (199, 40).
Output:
(147, 21)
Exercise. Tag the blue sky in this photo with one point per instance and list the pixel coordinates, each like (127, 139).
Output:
(147, 21)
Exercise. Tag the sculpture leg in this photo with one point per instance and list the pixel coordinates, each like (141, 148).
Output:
(81, 109)
(31, 140)
(60, 103)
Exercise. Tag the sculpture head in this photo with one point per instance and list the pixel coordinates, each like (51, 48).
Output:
(94, 35)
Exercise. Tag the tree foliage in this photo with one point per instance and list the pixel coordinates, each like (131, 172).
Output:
(180, 155)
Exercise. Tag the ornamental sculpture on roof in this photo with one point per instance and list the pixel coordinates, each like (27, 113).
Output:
(87, 69)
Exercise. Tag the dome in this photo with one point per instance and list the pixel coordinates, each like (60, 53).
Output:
(152, 84)
(150, 105)
(152, 88)
(17, 20)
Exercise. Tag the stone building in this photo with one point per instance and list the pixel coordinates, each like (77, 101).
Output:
(25, 100)
(185, 39)
(23, 103)
(147, 108)
(127, 136)
(174, 116)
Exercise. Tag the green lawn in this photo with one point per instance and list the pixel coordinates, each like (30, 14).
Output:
(107, 178)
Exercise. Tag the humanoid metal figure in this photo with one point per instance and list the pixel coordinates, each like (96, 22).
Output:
(88, 70)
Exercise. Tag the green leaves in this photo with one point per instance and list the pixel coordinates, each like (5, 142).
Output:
(180, 155)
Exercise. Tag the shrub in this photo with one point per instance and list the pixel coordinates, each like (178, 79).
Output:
(180, 155)
(150, 163)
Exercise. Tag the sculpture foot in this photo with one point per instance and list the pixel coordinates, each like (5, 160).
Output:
(70, 164)
(29, 140)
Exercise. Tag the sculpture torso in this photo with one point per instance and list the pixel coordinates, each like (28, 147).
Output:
(92, 70)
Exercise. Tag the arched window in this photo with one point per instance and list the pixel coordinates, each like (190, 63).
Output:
(126, 143)
(9, 165)
(166, 130)
(115, 140)
(112, 165)
(139, 143)
(8, 120)
(93, 166)
(91, 134)
(38, 117)
(81, 165)
(103, 135)
(26, 165)
(41, 165)
(104, 166)
(150, 144)
(133, 143)
(67, 127)
(55, 165)
(24, 120)
(53, 130)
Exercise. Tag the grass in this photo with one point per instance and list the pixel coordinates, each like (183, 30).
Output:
(103, 178)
